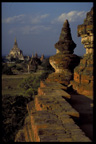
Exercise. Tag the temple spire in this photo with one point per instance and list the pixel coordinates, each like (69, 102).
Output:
(15, 39)
(65, 43)
(15, 42)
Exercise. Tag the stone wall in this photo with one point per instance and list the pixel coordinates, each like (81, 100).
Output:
(50, 117)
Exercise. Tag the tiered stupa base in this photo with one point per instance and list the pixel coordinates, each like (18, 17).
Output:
(63, 65)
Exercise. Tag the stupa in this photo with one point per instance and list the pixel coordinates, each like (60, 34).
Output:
(64, 61)
(42, 57)
(15, 52)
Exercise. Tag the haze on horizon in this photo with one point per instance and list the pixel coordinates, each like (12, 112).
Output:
(37, 26)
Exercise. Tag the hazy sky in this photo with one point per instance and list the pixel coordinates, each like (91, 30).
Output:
(37, 26)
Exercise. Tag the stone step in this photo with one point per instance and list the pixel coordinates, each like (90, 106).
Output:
(47, 127)
(53, 92)
(52, 85)
(53, 104)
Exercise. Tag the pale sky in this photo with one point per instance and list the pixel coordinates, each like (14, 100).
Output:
(37, 26)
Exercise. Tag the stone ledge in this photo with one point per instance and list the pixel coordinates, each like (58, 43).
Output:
(43, 103)
(53, 92)
(53, 85)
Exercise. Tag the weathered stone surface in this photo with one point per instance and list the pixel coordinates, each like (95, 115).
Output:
(52, 85)
(60, 62)
(58, 92)
(86, 32)
(15, 52)
(64, 61)
(83, 73)
(46, 127)
(83, 89)
(55, 105)
(65, 43)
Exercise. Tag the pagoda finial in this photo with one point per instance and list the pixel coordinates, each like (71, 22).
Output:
(15, 42)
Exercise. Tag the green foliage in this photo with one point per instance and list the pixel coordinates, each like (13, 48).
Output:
(19, 67)
(31, 92)
(14, 107)
(30, 82)
(12, 65)
(13, 115)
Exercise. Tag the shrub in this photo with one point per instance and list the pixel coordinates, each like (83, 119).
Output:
(30, 82)
(30, 85)
(6, 70)
(31, 92)
(13, 115)
(19, 67)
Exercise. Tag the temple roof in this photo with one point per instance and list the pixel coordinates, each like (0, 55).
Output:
(15, 52)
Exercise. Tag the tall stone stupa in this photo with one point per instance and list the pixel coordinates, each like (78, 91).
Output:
(64, 61)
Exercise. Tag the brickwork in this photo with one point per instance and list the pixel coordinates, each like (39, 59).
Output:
(83, 73)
